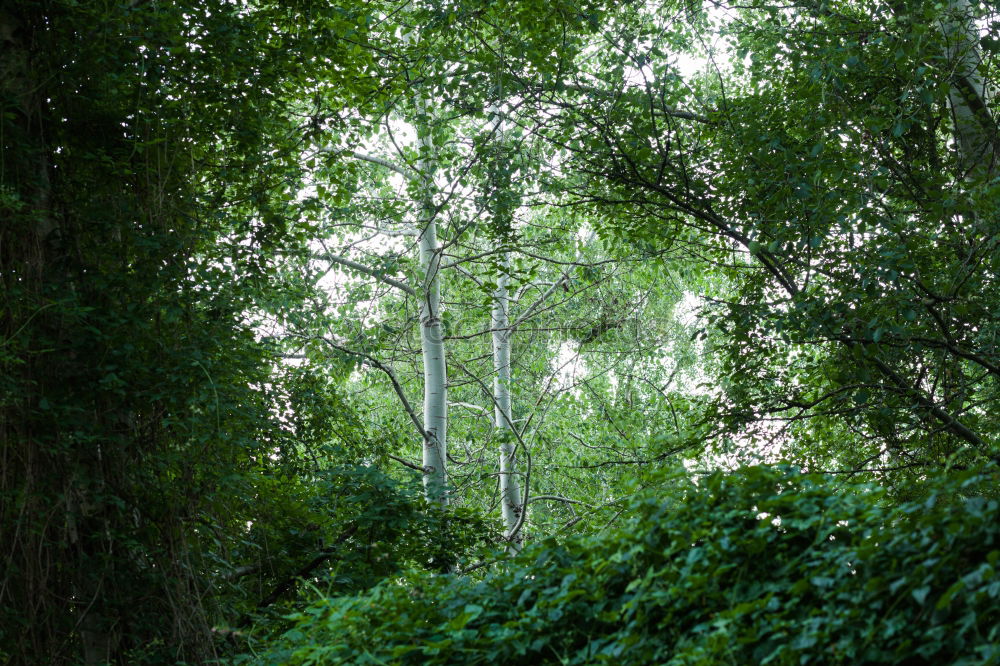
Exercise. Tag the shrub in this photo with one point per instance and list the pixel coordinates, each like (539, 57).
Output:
(763, 566)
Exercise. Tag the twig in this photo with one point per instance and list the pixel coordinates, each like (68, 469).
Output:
(289, 583)
(374, 362)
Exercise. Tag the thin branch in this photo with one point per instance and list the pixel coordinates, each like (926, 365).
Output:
(558, 498)
(947, 420)
(289, 583)
(240, 572)
(470, 407)
(522, 446)
(374, 362)
(407, 463)
(592, 90)
(551, 290)
(367, 270)
(538, 302)
(382, 162)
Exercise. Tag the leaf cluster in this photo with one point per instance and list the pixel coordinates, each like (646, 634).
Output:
(767, 565)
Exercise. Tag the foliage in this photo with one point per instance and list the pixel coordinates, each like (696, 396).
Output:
(825, 190)
(764, 566)
(341, 529)
(149, 160)
(812, 177)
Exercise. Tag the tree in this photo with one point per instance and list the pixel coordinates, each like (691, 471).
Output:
(825, 146)
(477, 171)
(149, 169)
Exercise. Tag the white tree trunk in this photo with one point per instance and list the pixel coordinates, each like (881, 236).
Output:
(431, 331)
(511, 506)
(975, 127)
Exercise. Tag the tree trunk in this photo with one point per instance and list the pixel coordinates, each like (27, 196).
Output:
(511, 506)
(431, 331)
(975, 127)
(30, 475)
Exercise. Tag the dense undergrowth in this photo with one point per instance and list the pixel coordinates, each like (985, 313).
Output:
(765, 566)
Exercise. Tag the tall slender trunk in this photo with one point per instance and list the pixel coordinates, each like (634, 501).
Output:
(431, 331)
(511, 506)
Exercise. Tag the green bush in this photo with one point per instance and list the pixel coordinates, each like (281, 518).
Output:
(764, 566)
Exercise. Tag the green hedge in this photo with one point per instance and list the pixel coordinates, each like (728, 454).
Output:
(764, 566)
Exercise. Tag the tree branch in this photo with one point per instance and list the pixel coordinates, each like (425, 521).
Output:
(947, 420)
(382, 162)
(558, 498)
(661, 110)
(407, 463)
(551, 290)
(470, 407)
(289, 583)
(374, 362)
(367, 270)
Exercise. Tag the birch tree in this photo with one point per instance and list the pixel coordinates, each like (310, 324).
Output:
(511, 506)
(435, 449)
(968, 95)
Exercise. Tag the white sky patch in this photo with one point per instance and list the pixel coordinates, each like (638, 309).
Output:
(686, 310)
(689, 66)
(568, 367)
(613, 380)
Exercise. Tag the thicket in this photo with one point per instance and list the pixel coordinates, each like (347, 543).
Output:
(170, 482)
(763, 566)
(162, 475)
